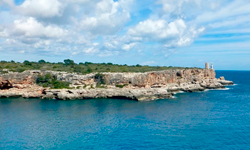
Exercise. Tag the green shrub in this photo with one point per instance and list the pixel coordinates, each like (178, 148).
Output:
(27, 63)
(68, 62)
(82, 68)
(41, 61)
(99, 79)
(100, 86)
(19, 69)
(121, 86)
(50, 81)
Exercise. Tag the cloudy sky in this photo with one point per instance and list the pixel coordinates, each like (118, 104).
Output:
(147, 32)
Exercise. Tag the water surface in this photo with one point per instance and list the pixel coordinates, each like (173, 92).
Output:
(215, 119)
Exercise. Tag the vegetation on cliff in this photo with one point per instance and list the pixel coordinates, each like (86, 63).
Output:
(82, 68)
(51, 81)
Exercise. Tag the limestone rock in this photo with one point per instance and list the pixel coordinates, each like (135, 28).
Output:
(5, 84)
(137, 86)
(222, 78)
(225, 82)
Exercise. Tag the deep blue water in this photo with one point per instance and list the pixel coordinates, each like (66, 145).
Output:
(215, 119)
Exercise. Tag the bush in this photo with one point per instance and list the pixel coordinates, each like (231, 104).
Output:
(138, 65)
(27, 63)
(68, 62)
(83, 68)
(120, 86)
(20, 69)
(89, 70)
(77, 69)
(99, 78)
(50, 81)
(41, 61)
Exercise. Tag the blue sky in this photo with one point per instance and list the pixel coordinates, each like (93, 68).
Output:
(153, 32)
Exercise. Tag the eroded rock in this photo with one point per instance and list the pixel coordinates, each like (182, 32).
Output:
(136, 86)
(5, 85)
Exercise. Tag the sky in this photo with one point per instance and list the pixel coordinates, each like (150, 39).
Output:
(184, 33)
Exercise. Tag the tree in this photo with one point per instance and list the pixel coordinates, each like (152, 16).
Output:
(68, 62)
(100, 78)
(41, 61)
(27, 63)
(88, 63)
(138, 65)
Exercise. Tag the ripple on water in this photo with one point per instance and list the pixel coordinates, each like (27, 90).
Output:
(199, 120)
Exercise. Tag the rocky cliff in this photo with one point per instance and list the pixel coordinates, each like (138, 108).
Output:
(138, 86)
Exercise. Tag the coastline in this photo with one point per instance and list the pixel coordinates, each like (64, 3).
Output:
(135, 86)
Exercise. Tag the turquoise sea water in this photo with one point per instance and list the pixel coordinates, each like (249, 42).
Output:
(214, 119)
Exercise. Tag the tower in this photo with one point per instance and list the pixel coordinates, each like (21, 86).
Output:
(212, 66)
(207, 66)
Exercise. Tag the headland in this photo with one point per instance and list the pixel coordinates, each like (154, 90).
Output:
(139, 86)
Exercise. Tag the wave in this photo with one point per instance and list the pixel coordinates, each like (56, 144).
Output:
(233, 85)
(174, 97)
(224, 89)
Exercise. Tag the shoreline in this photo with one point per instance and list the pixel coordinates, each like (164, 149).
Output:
(134, 86)
(140, 94)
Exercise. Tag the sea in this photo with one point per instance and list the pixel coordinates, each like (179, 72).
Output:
(209, 120)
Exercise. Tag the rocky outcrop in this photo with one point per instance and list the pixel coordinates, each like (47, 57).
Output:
(134, 94)
(137, 86)
(31, 91)
(5, 85)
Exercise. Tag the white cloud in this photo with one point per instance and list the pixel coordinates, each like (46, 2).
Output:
(188, 9)
(127, 47)
(173, 34)
(108, 18)
(31, 28)
(158, 30)
(22, 51)
(90, 50)
(41, 8)
(108, 27)
(95, 44)
(107, 53)
(3, 32)
(80, 1)
(148, 63)
(209, 13)
(231, 22)
(40, 44)
(7, 2)
(236, 8)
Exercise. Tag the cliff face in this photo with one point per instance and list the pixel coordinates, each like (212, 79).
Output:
(139, 86)
(159, 78)
(147, 79)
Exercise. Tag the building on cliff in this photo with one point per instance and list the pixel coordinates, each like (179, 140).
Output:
(206, 65)
(212, 66)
